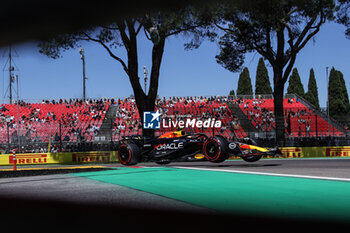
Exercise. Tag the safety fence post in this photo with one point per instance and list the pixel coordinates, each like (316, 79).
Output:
(14, 161)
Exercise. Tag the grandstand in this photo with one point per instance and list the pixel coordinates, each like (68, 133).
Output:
(76, 121)
(301, 119)
(39, 122)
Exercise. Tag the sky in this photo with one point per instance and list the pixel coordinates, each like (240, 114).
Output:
(183, 73)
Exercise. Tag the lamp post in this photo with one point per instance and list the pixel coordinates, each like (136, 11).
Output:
(145, 72)
(8, 120)
(82, 57)
(18, 122)
(328, 99)
(10, 73)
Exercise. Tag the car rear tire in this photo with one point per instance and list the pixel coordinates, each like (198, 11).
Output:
(129, 154)
(215, 149)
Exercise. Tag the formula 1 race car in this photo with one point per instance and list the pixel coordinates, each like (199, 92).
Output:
(176, 146)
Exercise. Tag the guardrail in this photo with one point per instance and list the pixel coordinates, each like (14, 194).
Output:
(112, 156)
(59, 158)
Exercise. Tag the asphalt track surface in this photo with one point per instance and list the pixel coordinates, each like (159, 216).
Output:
(271, 195)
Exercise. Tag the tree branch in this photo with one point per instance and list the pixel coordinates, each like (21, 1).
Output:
(310, 35)
(123, 35)
(258, 48)
(183, 29)
(109, 28)
(157, 54)
(292, 11)
(289, 68)
(269, 49)
(109, 51)
(147, 36)
(290, 34)
(138, 29)
(307, 28)
(224, 29)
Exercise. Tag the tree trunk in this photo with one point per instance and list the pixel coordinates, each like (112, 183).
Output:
(143, 103)
(278, 103)
(147, 102)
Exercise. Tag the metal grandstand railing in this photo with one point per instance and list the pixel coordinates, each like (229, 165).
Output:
(319, 112)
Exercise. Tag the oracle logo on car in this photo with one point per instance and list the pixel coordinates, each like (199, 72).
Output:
(29, 159)
(169, 146)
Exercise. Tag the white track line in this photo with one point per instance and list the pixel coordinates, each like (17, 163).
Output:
(267, 174)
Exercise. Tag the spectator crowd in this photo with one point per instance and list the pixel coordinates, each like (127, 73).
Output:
(75, 121)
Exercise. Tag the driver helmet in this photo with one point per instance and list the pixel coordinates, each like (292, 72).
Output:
(183, 132)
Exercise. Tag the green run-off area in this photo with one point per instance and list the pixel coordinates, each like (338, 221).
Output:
(239, 193)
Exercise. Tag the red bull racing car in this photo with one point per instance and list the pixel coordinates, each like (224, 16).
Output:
(177, 146)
